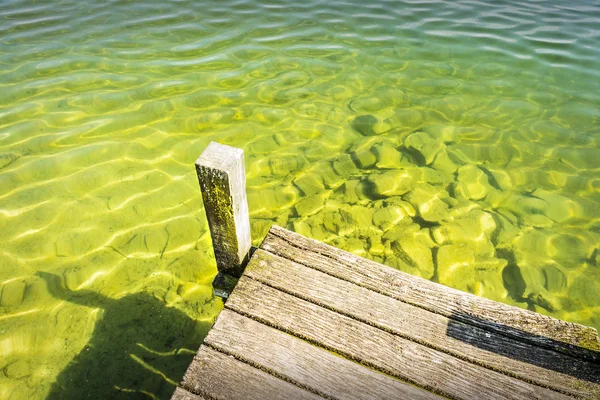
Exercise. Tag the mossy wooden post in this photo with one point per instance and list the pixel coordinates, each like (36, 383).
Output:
(222, 178)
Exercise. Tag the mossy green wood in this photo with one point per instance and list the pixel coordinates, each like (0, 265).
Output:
(222, 179)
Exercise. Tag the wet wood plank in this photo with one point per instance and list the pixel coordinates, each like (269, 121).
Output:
(528, 362)
(304, 364)
(216, 375)
(399, 357)
(509, 321)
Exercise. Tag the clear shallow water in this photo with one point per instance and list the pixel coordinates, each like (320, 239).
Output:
(457, 141)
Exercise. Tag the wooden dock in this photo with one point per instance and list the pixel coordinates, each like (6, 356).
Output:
(309, 321)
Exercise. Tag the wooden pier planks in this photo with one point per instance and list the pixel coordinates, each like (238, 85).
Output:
(307, 320)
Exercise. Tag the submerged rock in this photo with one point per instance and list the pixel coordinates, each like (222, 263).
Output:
(388, 216)
(311, 205)
(476, 226)
(428, 202)
(329, 177)
(364, 158)
(309, 183)
(459, 266)
(415, 255)
(344, 166)
(559, 208)
(472, 183)
(368, 125)
(390, 183)
(12, 293)
(423, 146)
(283, 165)
(388, 157)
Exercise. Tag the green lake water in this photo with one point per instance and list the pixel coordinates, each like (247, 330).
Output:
(457, 141)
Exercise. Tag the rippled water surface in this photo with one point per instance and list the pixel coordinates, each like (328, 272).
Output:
(455, 140)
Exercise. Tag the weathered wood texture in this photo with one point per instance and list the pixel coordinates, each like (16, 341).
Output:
(216, 375)
(507, 320)
(310, 321)
(295, 360)
(467, 342)
(222, 179)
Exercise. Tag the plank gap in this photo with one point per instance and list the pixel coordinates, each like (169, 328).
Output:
(491, 325)
(343, 354)
(408, 337)
(269, 371)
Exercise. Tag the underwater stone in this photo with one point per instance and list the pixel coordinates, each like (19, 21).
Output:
(364, 158)
(506, 231)
(376, 248)
(463, 207)
(389, 216)
(311, 205)
(349, 191)
(12, 293)
(332, 221)
(302, 228)
(401, 230)
(356, 219)
(458, 267)
(315, 152)
(263, 145)
(536, 285)
(444, 163)
(560, 208)
(424, 146)
(390, 183)
(415, 255)
(356, 246)
(433, 176)
(331, 179)
(344, 166)
(502, 178)
(309, 183)
(475, 226)
(18, 369)
(388, 157)
(283, 165)
(446, 133)
(364, 124)
(428, 202)
(354, 191)
(408, 208)
(568, 249)
(406, 119)
(449, 257)
(472, 183)
(585, 291)
(530, 210)
(269, 202)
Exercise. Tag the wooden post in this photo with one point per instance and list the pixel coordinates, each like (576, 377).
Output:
(222, 178)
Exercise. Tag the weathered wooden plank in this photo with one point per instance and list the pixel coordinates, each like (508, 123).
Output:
(511, 321)
(392, 354)
(219, 376)
(304, 364)
(222, 179)
(526, 361)
(182, 394)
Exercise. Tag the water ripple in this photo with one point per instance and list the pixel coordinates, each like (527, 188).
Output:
(105, 105)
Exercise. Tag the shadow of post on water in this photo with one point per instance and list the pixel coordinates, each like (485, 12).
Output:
(580, 363)
(139, 348)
